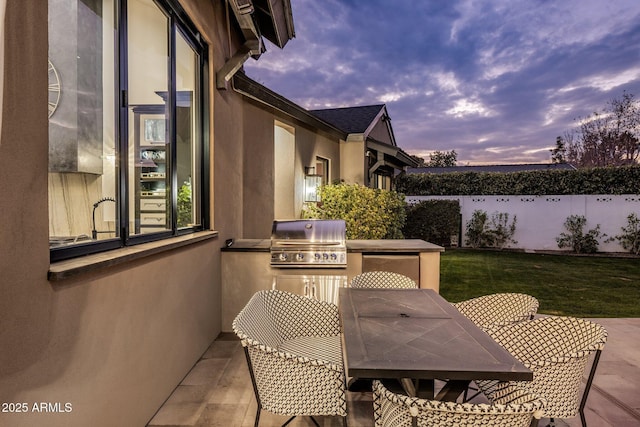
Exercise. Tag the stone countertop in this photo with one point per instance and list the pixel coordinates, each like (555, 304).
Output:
(392, 245)
(365, 246)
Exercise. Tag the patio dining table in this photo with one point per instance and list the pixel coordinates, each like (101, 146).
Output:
(416, 336)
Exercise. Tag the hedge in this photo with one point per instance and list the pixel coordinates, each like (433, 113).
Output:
(433, 220)
(618, 180)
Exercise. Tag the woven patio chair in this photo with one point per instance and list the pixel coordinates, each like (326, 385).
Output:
(520, 409)
(498, 310)
(293, 349)
(557, 350)
(382, 279)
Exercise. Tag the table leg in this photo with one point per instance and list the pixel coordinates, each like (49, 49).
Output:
(452, 390)
(423, 389)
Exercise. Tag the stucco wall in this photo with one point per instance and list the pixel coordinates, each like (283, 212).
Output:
(112, 343)
(353, 163)
(258, 192)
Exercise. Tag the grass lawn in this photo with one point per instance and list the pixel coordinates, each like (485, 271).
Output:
(563, 284)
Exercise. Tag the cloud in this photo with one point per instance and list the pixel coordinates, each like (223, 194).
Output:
(496, 80)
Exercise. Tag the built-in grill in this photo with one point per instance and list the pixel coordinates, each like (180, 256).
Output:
(309, 243)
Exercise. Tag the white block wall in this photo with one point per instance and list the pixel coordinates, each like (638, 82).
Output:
(540, 219)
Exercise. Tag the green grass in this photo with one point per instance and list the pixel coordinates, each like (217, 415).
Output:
(563, 284)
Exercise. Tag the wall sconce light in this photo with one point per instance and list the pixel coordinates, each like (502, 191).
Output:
(311, 184)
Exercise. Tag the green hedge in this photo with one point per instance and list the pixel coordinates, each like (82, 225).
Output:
(433, 220)
(619, 180)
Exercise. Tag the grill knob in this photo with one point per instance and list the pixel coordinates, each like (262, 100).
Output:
(299, 257)
(325, 256)
(334, 257)
(316, 257)
(283, 257)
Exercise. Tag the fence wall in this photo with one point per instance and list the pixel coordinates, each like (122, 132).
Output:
(540, 219)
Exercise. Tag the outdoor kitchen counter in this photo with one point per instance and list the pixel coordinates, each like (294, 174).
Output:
(362, 246)
(246, 267)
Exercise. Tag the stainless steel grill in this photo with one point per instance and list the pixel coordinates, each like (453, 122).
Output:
(309, 243)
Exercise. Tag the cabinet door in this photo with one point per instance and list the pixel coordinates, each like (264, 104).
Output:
(409, 265)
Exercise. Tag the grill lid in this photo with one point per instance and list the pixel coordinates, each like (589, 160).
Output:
(308, 231)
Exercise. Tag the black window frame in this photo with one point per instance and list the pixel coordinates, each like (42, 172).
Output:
(178, 21)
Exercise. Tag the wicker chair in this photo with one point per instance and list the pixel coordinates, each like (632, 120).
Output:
(382, 279)
(520, 409)
(293, 349)
(498, 310)
(557, 350)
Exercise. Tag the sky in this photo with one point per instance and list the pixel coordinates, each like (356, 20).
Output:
(495, 80)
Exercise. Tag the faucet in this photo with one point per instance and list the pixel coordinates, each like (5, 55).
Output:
(94, 232)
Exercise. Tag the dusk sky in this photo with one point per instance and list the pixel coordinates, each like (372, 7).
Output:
(495, 80)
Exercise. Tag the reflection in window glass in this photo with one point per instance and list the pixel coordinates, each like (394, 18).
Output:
(82, 137)
(187, 149)
(149, 142)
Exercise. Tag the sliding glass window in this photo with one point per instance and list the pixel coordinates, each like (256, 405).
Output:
(126, 141)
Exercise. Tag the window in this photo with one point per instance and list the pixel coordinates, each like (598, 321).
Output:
(126, 140)
(322, 169)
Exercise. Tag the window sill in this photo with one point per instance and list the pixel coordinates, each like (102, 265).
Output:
(73, 267)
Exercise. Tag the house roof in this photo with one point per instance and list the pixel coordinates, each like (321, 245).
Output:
(495, 168)
(248, 87)
(358, 119)
(350, 119)
(399, 159)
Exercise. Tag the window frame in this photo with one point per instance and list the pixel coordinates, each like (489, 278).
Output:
(178, 23)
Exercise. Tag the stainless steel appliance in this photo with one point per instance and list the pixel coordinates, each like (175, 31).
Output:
(320, 287)
(309, 243)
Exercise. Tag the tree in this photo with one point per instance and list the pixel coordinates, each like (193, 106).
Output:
(443, 159)
(607, 138)
(559, 152)
(421, 161)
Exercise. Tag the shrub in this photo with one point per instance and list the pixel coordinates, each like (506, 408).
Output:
(435, 221)
(576, 239)
(477, 230)
(630, 237)
(368, 213)
(494, 232)
(502, 232)
(185, 216)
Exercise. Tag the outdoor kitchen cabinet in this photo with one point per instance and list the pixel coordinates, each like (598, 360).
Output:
(246, 268)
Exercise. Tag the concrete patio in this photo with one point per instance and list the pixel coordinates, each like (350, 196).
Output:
(218, 392)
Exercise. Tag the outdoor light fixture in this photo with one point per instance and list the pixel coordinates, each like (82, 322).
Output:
(311, 184)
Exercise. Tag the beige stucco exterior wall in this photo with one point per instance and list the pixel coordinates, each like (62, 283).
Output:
(258, 192)
(352, 167)
(114, 342)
